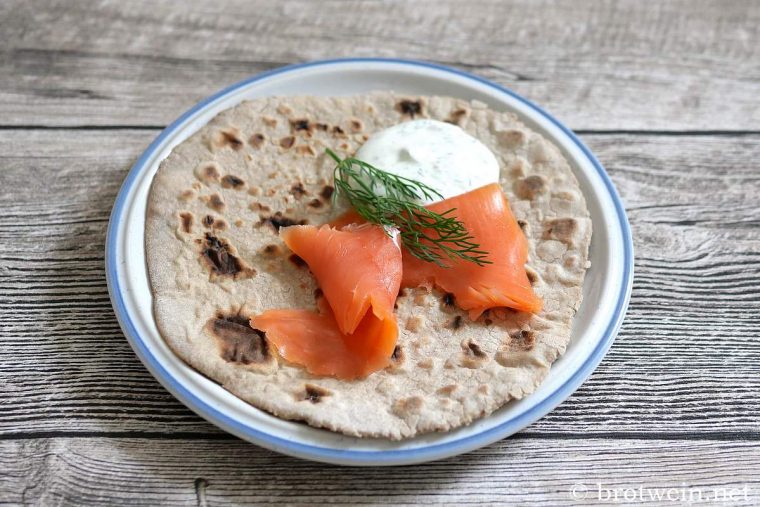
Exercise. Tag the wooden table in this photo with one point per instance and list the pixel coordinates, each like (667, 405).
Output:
(667, 94)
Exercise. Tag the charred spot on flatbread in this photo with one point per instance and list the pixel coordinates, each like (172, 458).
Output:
(300, 125)
(271, 249)
(448, 299)
(280, 220)
(447, 390)
(397, 359)
(532, 275)
(229, 138)
(408, 407)
(338, 131)
(209, 222)
(473, 349)
(304, 126)
(326, 192)
(208, 172)
(512, 138)
(257, 139)
(530, 187)
(522, 340)
(233, 182)
(426, 363)
(314, 393)
(457, 116)
(287, 142)
(414, 323)
(517, 169)
(219, 256)
(517, 349)
(315, 203)
(473, 355)
(186, 195)
(411, 108)
(305, 149)
(356, 125)
(455, 323)
(186, 221)
(237, 342)
(297, 261)
(257, 206)
(214, 201)
(297, 190)
(561, 229)
(212, 222)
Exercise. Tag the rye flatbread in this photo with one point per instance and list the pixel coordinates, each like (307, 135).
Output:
(215, 259)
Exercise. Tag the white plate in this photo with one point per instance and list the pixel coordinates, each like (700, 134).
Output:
(606, 290)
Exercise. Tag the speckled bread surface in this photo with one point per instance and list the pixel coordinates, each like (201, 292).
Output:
(215, 259)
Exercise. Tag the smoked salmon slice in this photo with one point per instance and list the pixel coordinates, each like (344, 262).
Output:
(313, 340)
(487, 217)
(358, 269)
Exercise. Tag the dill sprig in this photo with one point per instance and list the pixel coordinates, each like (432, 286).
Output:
(389, 200)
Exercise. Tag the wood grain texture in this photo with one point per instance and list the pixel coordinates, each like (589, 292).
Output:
(97, 471)
(667, 95)
(678, 65)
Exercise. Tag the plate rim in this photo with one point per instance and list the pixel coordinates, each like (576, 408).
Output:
(361, 457)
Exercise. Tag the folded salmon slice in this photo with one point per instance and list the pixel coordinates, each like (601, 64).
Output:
(358, 269)
(314, 341)
(487, 216)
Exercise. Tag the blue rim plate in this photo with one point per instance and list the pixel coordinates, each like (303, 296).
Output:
(606, 290)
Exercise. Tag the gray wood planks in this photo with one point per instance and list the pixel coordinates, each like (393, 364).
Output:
(96, 471)
(680, 65)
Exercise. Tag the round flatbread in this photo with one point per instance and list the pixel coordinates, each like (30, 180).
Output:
(215, 259)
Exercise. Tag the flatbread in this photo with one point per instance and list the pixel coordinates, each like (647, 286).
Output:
(215, 259)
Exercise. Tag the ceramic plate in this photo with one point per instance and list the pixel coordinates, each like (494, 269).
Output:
(605, 292)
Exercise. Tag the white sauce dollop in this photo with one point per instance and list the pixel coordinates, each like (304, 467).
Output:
(438, 154)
